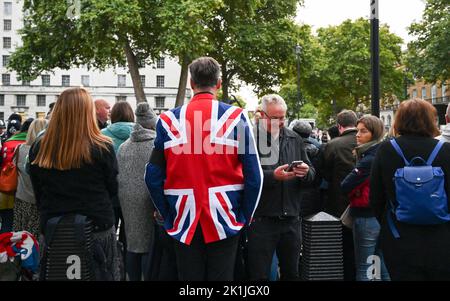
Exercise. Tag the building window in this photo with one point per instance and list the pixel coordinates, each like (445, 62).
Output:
(85, 80)
(7, 25)
(21, 100)
(6, 79)
(121, 98)
(160, 102)
(143, 80)
(2, 116)
(6, 42)
(389, 120)
(160, 81)
(7, 8)
(424, 93)
(5, 60)
(433, 93)
(65, 80)
(414, 94)
(121, 80)
(160, 63)
(41, 101)
(444, 90)
(2, 101)
(45, 80)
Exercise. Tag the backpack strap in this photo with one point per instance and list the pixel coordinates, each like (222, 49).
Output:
(399, 150)
(50, 230)
(436, 150)
(80, 222)
(390, 219)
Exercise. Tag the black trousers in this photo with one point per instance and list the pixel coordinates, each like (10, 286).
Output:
(206, 262)
(267, 234)
(162, 264)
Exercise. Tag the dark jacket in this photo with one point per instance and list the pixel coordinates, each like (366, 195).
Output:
(102, 125)
(311, 201)
(421, 246)
(282, 198)
(360, 176)
(87, 190)
(338, 163)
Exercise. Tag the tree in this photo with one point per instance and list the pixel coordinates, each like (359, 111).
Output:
(428, 55)
(339, 76)
(184, 33)
(105, 34)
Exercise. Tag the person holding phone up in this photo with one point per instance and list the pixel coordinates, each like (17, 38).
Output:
(286, 167)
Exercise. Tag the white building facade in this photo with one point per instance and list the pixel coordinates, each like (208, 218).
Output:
(31, 99)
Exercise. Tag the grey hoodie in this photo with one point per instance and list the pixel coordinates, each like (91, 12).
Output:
(445, 134)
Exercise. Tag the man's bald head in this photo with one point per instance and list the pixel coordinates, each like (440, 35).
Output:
(102, 109)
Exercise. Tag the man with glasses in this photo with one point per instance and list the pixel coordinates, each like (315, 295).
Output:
(276, 226)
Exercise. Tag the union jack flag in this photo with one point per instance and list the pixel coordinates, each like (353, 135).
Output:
(204, 169)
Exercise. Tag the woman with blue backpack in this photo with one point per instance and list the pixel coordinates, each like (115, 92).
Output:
(410, 184)
(366, 228)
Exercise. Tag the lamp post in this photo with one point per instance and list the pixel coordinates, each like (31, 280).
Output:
(375, 57)
(298, 50)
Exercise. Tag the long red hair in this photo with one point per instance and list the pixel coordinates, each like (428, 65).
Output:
(71, 133)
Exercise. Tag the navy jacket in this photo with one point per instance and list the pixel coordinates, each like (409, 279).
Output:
(357, 177)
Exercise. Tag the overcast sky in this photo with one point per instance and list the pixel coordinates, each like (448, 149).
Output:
(398, 14)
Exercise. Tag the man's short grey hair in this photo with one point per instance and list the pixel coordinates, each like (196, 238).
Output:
(205, 72)
(448, 110)
(272, 99)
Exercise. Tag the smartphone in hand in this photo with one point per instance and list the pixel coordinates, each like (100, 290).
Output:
(293, 165)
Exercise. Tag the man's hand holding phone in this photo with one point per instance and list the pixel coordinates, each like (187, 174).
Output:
(301, 170)
(290, 171)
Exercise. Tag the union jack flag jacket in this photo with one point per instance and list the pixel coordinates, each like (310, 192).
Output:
(205, 170)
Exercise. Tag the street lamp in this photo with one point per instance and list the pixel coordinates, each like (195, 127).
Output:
(298, 50)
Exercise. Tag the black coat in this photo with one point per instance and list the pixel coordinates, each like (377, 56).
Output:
(282, 198)
(420, 246)
(87, 190)
(338, 162)
(357, 176)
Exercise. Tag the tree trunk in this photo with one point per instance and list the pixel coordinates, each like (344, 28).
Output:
(181, 94)
(225, 83)
(134, 72)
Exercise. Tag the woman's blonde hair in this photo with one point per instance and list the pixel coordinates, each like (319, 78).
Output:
(37, 126)
(71, 133)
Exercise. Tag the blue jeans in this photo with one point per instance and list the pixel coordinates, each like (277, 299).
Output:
(365, 236)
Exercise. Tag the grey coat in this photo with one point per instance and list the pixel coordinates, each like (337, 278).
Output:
(137, 206)
(24, 188)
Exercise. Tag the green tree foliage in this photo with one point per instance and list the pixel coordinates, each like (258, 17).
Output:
(253, 40)
(104, 34)
(428, 55)
(336, 75)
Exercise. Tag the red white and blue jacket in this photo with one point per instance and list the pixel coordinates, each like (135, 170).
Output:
(23, 244)
(204, 169)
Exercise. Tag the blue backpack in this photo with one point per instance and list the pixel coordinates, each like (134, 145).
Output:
(420, 192)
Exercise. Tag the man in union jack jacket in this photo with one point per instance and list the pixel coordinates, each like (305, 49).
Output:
(204, 177)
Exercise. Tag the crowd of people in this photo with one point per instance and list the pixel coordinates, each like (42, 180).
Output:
(203, 192)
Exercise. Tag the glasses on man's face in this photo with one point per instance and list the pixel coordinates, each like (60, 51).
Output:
(283, 118)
